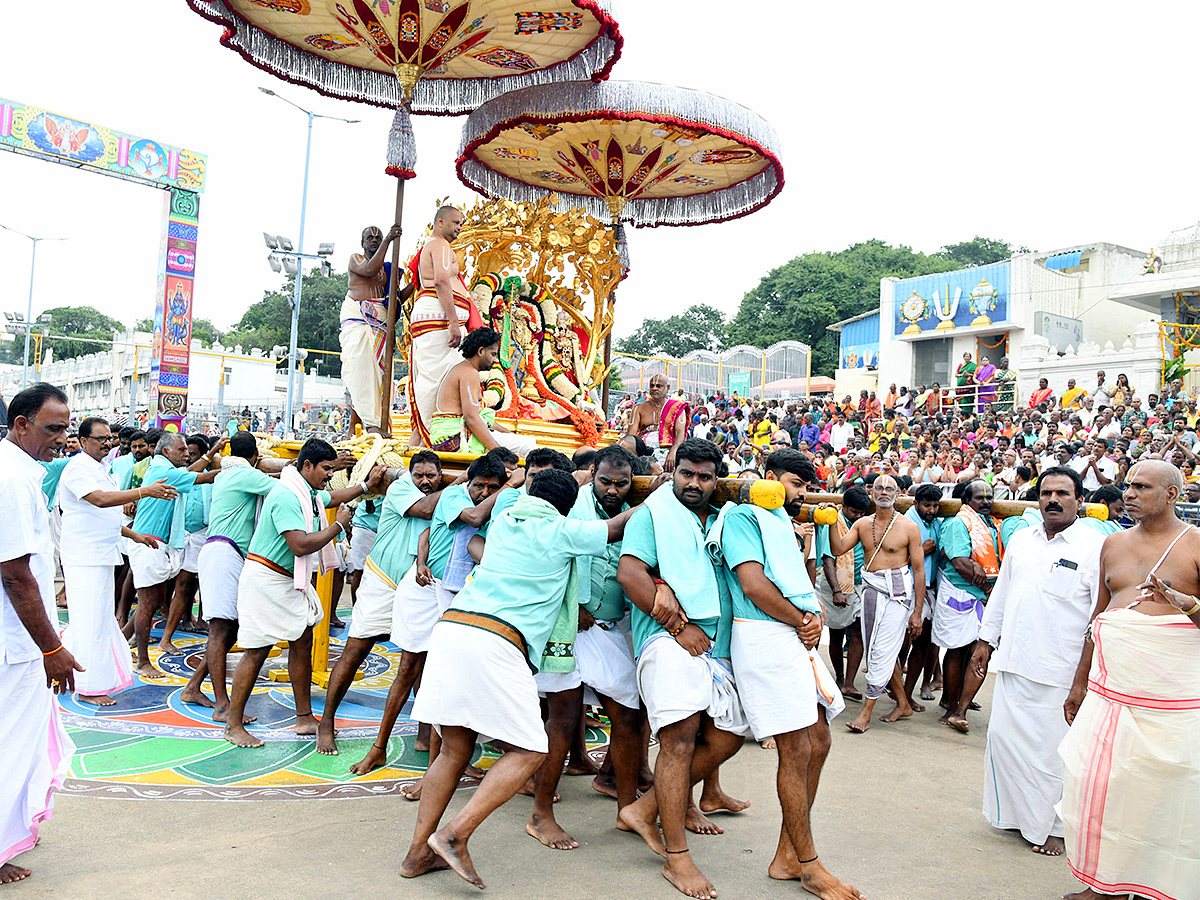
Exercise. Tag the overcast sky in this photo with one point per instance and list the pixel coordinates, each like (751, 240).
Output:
(1044, 124)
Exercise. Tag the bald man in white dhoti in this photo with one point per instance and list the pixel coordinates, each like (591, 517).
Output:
(34, 665)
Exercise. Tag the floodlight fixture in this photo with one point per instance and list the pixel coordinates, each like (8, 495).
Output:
(46, 318)
(289, 265)
(284, 243)
(325, 249)
(271, 241)
(8, 316)
(273, 262)
(301, 354)
(327, 268)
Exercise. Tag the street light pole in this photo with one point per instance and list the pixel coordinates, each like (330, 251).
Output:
(29, 303)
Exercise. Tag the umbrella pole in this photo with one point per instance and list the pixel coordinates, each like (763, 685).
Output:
(607, 363)
(388, 388)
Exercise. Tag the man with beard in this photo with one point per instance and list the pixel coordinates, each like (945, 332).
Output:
(680, 622)
(923, 655)
(1032, 634)
(894, 573)
(787, 691)
(969, 567)
(364, 327)
(1132, 777)
(407, 508)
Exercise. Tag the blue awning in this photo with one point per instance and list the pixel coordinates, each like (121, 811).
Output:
(1064, 260)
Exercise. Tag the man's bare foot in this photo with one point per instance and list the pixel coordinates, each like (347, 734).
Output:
(937, 685)
(1089, 894)
(550, 833)
(195, 698)
(325, 742)
(698, 823)
(817, 881)
(974, 706)
(605, 784)
(528, 790)
(221, 714)
(850, 693)
(900, 712)
(240, 737)
(958, 723)
(859, 725)
(632, 819)
(927, 694)
(769, 744)
(199, 626)
(10, 873)
(1054, 846)
(421, 860)
(372, 761)
(335, 622)
(150, 673)
(719, 801)
(585, 766)
(410, 791)
(454, 852)
(943, 717)
(306, 724)
(101, 699)
(473, 772)
(167, 647)
(688, 880)
(916, 707)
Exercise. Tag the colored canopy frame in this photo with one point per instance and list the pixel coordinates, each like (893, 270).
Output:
(647, 153)
(447, 56)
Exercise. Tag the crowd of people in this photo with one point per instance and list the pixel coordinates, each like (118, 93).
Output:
(518, 592)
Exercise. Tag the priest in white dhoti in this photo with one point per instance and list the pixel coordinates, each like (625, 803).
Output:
(363, 334)
(1031, 637)
(34, 665)
(91, 535)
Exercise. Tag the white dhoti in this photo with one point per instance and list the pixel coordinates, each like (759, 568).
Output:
(93, 635)
(605, 662)
(430, 357)
(478, 680)
(780, 682)
(376, 603)
(154, 565)
(34, 754)
(219, 567)
(887, 600)
(191, 551)
(556, 682)
(838, 618)
(674, 685)
(956, 616)
(270, 609)
(415, 611)
(1022, 771)
(361, 543)
(517, 443)
(361, 371)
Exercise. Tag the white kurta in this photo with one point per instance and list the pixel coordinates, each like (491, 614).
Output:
(34, 747)
(1037, 613)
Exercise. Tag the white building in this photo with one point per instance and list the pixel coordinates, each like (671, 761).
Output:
(219, 379)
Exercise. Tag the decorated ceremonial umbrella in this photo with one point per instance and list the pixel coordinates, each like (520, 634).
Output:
(443, 57)
(649, 154)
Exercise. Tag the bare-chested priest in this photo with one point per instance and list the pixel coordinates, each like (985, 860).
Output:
(662, 422)
(364, 327)
(460, 423)
(893, 575)
(441, 315)
(1132, 776)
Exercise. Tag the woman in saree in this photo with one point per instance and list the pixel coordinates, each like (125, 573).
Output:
(985, 378)
(964, 380)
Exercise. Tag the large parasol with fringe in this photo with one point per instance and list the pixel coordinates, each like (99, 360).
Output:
(647, 154)
(442, 57)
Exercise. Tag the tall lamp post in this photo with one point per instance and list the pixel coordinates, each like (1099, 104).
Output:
(294, 257)
(29, 304)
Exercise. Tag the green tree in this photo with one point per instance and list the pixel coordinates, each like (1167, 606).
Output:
(146, 324)
(206, 331)
(979, 251)
(699, 327)
(798, 299)
(79, 322)
(268, 322)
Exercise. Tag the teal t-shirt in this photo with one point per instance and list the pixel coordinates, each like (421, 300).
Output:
(122, 470)
(523, 574)
(639, 542)
(930, 532)
(280, 513)
(235, 497)
(367, 520)
(508, 496)
(54, 470)
(199, 502)
(824, 550)
(956, 542)
(395, 547)
(442, 526)
(164, 518)
(608, 602)
(741, 542)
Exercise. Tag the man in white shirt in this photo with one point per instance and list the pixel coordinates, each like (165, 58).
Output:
(34, 747)
(1096, 468)
(1087, 414)
(1032, 632)
(1101, 394)
(91, 534)
(841, 434)
(1108, 427)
